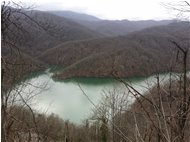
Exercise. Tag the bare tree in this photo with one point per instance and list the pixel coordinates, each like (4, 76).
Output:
(14, 65)
(180, 9)
(168, 124)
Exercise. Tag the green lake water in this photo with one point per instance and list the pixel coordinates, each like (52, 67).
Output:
(66, 99)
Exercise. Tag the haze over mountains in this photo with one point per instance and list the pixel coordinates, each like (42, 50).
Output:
(73, 77)
(109, 27)
(47, 30)
(91, 47)
(131, 55)
(75, 16)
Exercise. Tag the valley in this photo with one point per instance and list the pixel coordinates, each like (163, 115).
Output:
(73, 77)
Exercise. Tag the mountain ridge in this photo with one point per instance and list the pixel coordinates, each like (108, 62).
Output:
(111, 27)
(75, 15)
(125, 56)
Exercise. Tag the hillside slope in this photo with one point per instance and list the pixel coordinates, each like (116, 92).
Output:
(44, 30)
(121, 27)
(138, 54)
(109, 27)
(75, 16)
(141, 112)
(17, 65)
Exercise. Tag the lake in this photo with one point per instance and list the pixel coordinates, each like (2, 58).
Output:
(66, 99)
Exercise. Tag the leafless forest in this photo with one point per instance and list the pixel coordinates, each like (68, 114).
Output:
(33, 40)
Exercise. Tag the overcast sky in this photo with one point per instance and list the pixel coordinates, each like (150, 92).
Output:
(110, 9)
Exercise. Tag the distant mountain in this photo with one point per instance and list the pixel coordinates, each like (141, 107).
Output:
(89, 51)
(121, 27)
(45, 31)
(138, 54)
(75, 16)
(109, 27)
(49, 30)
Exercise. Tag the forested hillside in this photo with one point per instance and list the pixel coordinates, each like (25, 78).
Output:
(83, 46)
(44, 30)
(125, 56)
(110, 27)
(75, 16)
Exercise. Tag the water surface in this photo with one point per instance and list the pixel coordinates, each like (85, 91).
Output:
(66, 99)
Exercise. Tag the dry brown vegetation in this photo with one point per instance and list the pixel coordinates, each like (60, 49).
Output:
(138, 54)
(161, 114)
(144, 122)
(112, 119)
(21, 126)
(109, 27)
(36, 31)
(16, 66)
